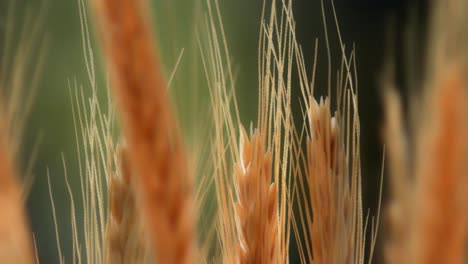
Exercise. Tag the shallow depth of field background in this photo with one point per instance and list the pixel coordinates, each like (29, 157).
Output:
(374, 28)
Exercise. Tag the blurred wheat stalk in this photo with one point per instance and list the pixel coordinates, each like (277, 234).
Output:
(427, 214)
(140, 200)
(19, 72)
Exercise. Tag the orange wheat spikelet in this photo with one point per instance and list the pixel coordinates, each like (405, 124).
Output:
(15, 244)
(155, 150)
(257, 205)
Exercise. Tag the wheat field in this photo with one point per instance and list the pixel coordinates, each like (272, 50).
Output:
(169, 170)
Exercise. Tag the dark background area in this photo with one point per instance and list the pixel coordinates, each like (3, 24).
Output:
(379, 30)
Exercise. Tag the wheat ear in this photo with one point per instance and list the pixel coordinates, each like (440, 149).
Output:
(429, 203)
(20, 64)
(261, 210)
(155, 151)
(331, 198)
(418, 220)
(398, 209)
(124, 237)
(15, 236)
(256, 208)
(441, 175)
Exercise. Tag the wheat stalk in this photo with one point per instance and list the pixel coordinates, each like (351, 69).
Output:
(155, 149)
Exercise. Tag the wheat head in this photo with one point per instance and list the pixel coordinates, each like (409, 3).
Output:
(18, 83)
(330, 226)
(428, 225)
(330, 196)
(257, 202)
(125, 237)
(15, 236)
(155, 151)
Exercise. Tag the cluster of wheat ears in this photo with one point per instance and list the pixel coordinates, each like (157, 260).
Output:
(274, 182)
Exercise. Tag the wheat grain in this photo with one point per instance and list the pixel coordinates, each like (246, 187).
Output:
(155, 149)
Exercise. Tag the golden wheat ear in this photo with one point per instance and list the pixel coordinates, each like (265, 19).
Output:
(252, 173)
(256, 209)
(418, 221)
(326, 177)
(20, 67)
(335, 231)
(15, 236)
(330, 226)
(112, 228)
(396, 213)
(428, 171)
(441, 176)
(125, 238)
(155, 152)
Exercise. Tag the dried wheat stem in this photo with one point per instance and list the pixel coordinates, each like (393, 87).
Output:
(155, 150)
(439, 222)
(125, 238)
(15, 236)
(332, 203)
(257, 202)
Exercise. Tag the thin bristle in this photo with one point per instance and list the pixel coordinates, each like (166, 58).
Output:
(155, 151)
(257, 202)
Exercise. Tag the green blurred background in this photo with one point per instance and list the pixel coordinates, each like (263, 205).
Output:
(374, 26)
